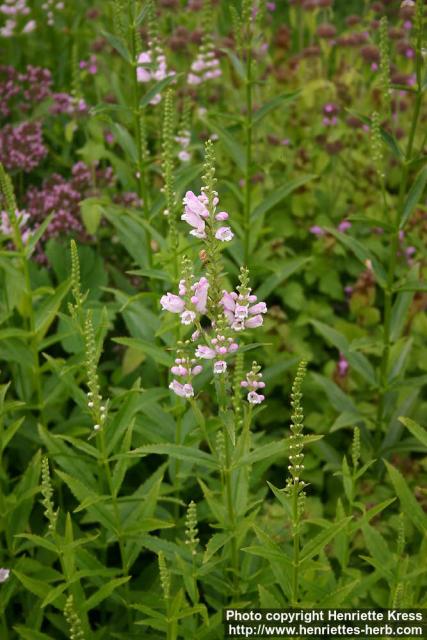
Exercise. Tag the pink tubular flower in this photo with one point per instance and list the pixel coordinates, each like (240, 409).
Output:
(224, 234)
(187, 317)
(344, 225)
(317, 231)
(182, 390)
(4, 575)
(205, 352)
(200, 295)
(342, 366)
(195, 212)
(255, 398)
(173, 303)
(220, 366)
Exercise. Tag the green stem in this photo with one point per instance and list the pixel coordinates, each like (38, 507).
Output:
(248, 163)
(106, 465)
(391, 274)
(296, 546)
(143, 191)
(231, 512)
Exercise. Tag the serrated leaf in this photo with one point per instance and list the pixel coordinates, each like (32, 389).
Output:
(279, 194)
(287, 268)
(356, 360)
(159, 355)
(233, 147)
(270, 450)
(155, 90)
(119, 45)
(278, 101)
(104, 592)
(417, 430)
(413, 197)
(315, 545)
(215, 543)
(179, 452)
(46, 313)
(362, 253)
(410, 507)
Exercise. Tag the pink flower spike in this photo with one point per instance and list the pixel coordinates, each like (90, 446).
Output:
(233, 347)
(222, 215)
(171, 302)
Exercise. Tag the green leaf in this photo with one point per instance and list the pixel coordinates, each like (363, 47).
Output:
(287, 268)
(38, 541)
(91, 212)
(339, 400)
(356, 360)
(179, 452)
(157, 353)
(125, 140)
(237, 64)
(278, 195)
(282, 100)
(47, 312)
(378, 549)
(31, 634)
(156, 89)
(234, 148)
(417, 430)
(269, 450)
(35, 237)
(104, 592)
(413, 197)
(54, 594)
(314, 546)
(215, 543)
(119, 45)
(409, 504)
(362, 253)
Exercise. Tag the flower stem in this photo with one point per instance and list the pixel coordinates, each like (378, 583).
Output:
(248, 162)
(391, 274)
(296, 546)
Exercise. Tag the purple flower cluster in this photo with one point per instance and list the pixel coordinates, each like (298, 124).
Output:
(62, 197)
(21, 146)
(68, 104)
(24, 90)
(343, 226)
